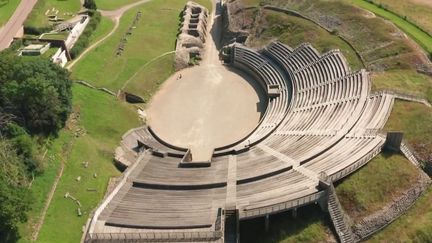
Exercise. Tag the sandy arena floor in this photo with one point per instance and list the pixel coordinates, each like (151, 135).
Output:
(210, 106)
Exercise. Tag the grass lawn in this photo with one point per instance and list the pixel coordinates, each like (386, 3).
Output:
(56, 36)
(7, 8)
(375, 185)
(150, 39)
(415, 120)
(404, 80)
(414, 226)
(43, 183)
(105, 120)
(422, 38)
(113, 4)
(294, 30)
(417, 11)
(148, 79)
(311, 225)
(37, 17)
(104, 27)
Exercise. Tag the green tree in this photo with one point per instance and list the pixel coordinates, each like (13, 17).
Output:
(36, 92)
(15, 198)
(90, 4)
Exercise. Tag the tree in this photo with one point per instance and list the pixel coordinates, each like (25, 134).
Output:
(36, 92)
(90, 4)
(15, 198)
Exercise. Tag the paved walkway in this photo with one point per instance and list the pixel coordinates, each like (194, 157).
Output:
(15, 23)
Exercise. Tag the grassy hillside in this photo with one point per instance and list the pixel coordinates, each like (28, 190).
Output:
(416, 11)
(7, 8)
(422, 38)
(98, 116)
(415, 120)
(373, 186)
(294, 30)
(405, 81)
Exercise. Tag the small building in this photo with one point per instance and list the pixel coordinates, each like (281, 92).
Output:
(35, 49)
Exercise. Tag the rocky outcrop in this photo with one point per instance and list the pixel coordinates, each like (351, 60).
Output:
(192, 34)
(237, 21)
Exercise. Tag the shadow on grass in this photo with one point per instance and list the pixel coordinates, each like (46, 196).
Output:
(311, 225)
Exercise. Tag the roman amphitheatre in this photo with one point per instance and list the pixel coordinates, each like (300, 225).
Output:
(235, 121)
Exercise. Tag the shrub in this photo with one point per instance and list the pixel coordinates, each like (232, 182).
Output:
(90, 4)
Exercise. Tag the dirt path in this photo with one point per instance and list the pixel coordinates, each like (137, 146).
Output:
(15, 23)
(115, 15)
(91, 47)
(38, 226)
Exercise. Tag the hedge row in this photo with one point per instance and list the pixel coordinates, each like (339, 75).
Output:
(83, 41)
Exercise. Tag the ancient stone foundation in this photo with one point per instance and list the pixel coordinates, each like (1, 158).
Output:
(192, 34)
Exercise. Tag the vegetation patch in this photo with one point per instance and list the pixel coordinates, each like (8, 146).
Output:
(415, 11)
(408, 81)
(103, 120)
(415, 120)
(84, 39)
(384, 178)
(415, 32)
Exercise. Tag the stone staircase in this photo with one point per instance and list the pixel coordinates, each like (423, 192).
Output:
(343, 230)
(231, 226)
(405, 149)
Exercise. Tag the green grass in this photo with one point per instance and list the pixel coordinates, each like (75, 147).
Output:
(37, 17)
(414, 226)
(43, 183)
(104, 27)
(148, 79)
(311, 225)
(113, 4)
(105, 120)
(422, 38)
(375, 185)
(55, 36)
(415, 120)
(415, 11)
(7, 8)
(294, 30)
(404, 80)
(150, 39)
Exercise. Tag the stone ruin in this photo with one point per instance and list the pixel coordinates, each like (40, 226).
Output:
(192, 34)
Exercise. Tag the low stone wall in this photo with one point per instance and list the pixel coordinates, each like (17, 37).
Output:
(380, 219)
(93, 87)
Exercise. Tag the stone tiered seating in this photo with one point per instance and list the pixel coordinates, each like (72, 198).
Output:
(320, 118)
(167, 172)
(162, 209)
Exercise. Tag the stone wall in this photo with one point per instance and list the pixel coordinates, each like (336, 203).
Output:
(380, 219)
(192, 34)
